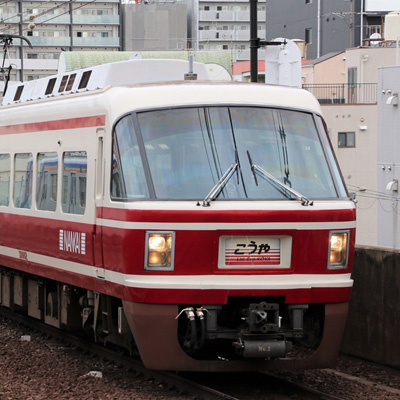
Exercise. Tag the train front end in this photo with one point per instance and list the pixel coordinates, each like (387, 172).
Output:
(230, 224)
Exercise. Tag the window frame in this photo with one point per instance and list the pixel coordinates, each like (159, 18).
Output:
(346, 136)
(6, 202)
(326, 146)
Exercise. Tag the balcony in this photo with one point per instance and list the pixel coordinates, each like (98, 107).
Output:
(217, 15)
(96, 19)
(52, 19)
(235, 16)
(9, 19)
(96, 42)
(343, 93)
(48, 41)
(224, 35)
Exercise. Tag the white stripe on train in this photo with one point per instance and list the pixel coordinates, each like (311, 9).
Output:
(189, 282)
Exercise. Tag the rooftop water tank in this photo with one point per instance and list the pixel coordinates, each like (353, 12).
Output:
(392, 25)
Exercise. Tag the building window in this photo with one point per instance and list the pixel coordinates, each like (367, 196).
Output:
(219, 8)
(225, 47)
(346, 139)
(352, 76)
(308, 35)
(206, 8)
(308, 1)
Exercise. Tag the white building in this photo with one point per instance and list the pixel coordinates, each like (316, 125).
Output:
(388, 168)
(225, 25)
(55, 26)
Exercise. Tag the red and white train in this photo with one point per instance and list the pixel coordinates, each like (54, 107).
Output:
(203, 224)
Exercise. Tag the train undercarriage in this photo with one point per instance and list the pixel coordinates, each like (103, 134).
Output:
(246, 333)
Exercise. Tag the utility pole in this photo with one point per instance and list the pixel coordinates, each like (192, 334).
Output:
(256, 43)
(351, 23)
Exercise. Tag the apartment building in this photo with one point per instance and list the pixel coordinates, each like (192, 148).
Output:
(225, 25)
(56, 26)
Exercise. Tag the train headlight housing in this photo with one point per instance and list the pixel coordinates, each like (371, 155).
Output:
(159, 251)
(338, 249)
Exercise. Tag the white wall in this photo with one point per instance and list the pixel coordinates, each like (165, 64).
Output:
(388, 162)
(358, 164)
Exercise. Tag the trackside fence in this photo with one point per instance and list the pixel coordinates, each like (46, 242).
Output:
(373, 326)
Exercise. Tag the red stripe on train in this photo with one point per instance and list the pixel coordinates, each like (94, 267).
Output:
(71, 123)
(242, 216)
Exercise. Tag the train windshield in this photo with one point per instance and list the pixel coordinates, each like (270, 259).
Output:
(187, 152)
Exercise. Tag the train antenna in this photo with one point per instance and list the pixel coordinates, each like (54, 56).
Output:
(190, 76)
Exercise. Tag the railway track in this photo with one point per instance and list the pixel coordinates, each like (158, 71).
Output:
(260, 386)
(221, 386)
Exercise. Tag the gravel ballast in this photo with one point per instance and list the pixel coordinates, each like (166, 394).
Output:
(34, 367)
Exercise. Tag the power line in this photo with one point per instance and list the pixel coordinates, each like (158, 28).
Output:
(47, 11)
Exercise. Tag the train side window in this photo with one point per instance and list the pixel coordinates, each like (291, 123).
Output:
(50, 86)
(84, 80)
(23, 169)
(18, 93)
(46, 186)
(63, 83)
(128, 179)
(71, 81)
(4, 179)
(74, 182)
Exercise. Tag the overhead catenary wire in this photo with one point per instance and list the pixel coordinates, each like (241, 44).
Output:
(37, 6)
(40, 14)
(54, 17)
(364, 192)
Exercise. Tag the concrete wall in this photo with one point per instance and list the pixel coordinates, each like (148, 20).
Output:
(159, 26)
(330, 71)
(367, 60)
(358, 164)
(290, 19)
(373, 326)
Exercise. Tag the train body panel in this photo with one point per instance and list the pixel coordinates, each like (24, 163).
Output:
(216, 210)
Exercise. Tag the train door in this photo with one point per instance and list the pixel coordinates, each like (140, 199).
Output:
(99, 195)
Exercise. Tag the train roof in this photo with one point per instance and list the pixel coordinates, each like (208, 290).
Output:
(100, 76)
(157, 84)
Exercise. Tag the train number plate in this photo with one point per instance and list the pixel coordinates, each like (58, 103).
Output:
(252, 251)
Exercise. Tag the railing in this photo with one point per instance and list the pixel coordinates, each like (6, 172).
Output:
(343, 93)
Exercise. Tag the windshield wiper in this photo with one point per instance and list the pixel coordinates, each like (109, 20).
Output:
(254, 167)
(219, 185)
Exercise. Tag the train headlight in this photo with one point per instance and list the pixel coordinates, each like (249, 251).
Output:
(338, 250)
(159, 251)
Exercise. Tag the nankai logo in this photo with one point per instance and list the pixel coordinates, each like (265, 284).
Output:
(73, 242)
